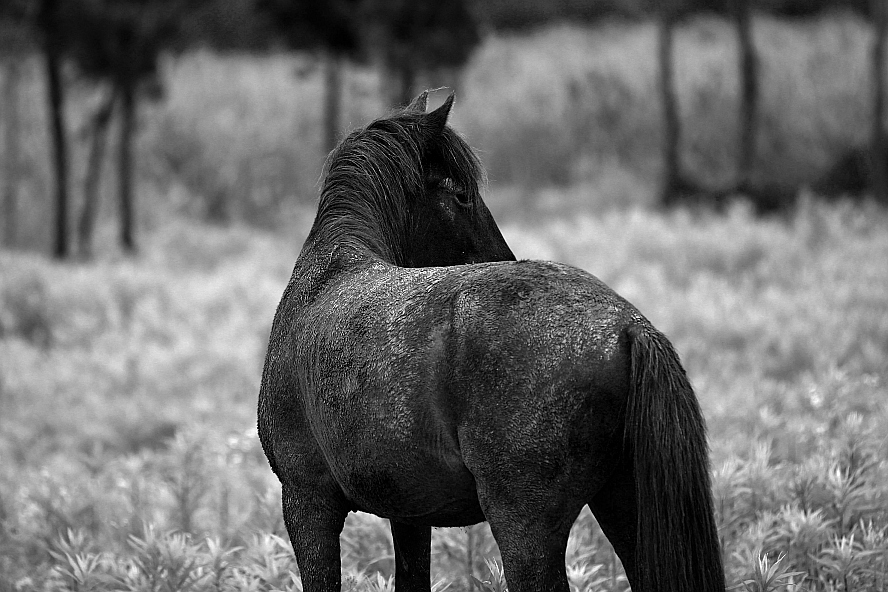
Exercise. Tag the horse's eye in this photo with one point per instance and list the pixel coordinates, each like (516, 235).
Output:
(449, 185)
(459, 192)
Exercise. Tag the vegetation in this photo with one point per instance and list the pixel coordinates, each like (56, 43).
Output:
(565, 106)
(127, 404)
(128, 456)
(119, 46)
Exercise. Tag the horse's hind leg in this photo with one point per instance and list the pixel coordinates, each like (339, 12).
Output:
(533, 549)
(615, 508)
(314, 527)
(531, 530)
(413, 546)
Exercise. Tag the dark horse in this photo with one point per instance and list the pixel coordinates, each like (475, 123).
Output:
(512, 392)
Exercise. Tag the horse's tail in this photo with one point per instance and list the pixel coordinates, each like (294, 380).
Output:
(677, 547)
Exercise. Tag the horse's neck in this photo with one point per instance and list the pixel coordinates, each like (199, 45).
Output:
(349, 219)
(323, 251)
(324, 262)
(352, 237)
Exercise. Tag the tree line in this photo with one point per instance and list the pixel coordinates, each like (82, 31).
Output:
(863, 168)
(116, 45)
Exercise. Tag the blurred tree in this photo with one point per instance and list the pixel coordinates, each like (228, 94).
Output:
(879, 153)
(15, 44)
(407, 37)
(11, 147)
(226, 25)
(807, 8)
(667, 14)
(330, 27)
(526, 14)
(52, 27)
(98, 133)
(410, 37)
(749, 92)
(118, 43)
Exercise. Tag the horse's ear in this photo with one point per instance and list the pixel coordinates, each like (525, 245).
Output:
(437, 119)
(420, 103)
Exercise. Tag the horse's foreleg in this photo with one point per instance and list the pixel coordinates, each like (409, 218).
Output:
(615, 508)
(412, 557)
(314, 528)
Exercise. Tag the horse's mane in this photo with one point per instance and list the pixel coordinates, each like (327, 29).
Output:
(370, 178)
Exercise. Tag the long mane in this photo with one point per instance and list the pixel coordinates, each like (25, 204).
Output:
(373, 174)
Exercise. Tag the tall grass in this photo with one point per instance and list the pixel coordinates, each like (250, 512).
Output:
(128, 391)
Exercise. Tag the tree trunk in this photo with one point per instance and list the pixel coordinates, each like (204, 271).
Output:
(12, 140)
(91, 182)
(879, 155)
(671, 124)
(332, 100)
(749, 93)
(125, 163)
(52, 51)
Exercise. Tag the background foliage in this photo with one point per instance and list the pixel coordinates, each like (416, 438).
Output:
(565, 108)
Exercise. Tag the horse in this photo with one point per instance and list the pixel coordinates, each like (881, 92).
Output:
(417, 371)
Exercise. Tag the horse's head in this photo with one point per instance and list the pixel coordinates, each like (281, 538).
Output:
(450, 222)
(407, 188)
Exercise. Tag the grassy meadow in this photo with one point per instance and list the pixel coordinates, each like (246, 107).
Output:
(127, 402)
(129, 458)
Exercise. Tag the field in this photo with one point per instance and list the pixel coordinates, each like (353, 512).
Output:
(128, 401)
(129, 458)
